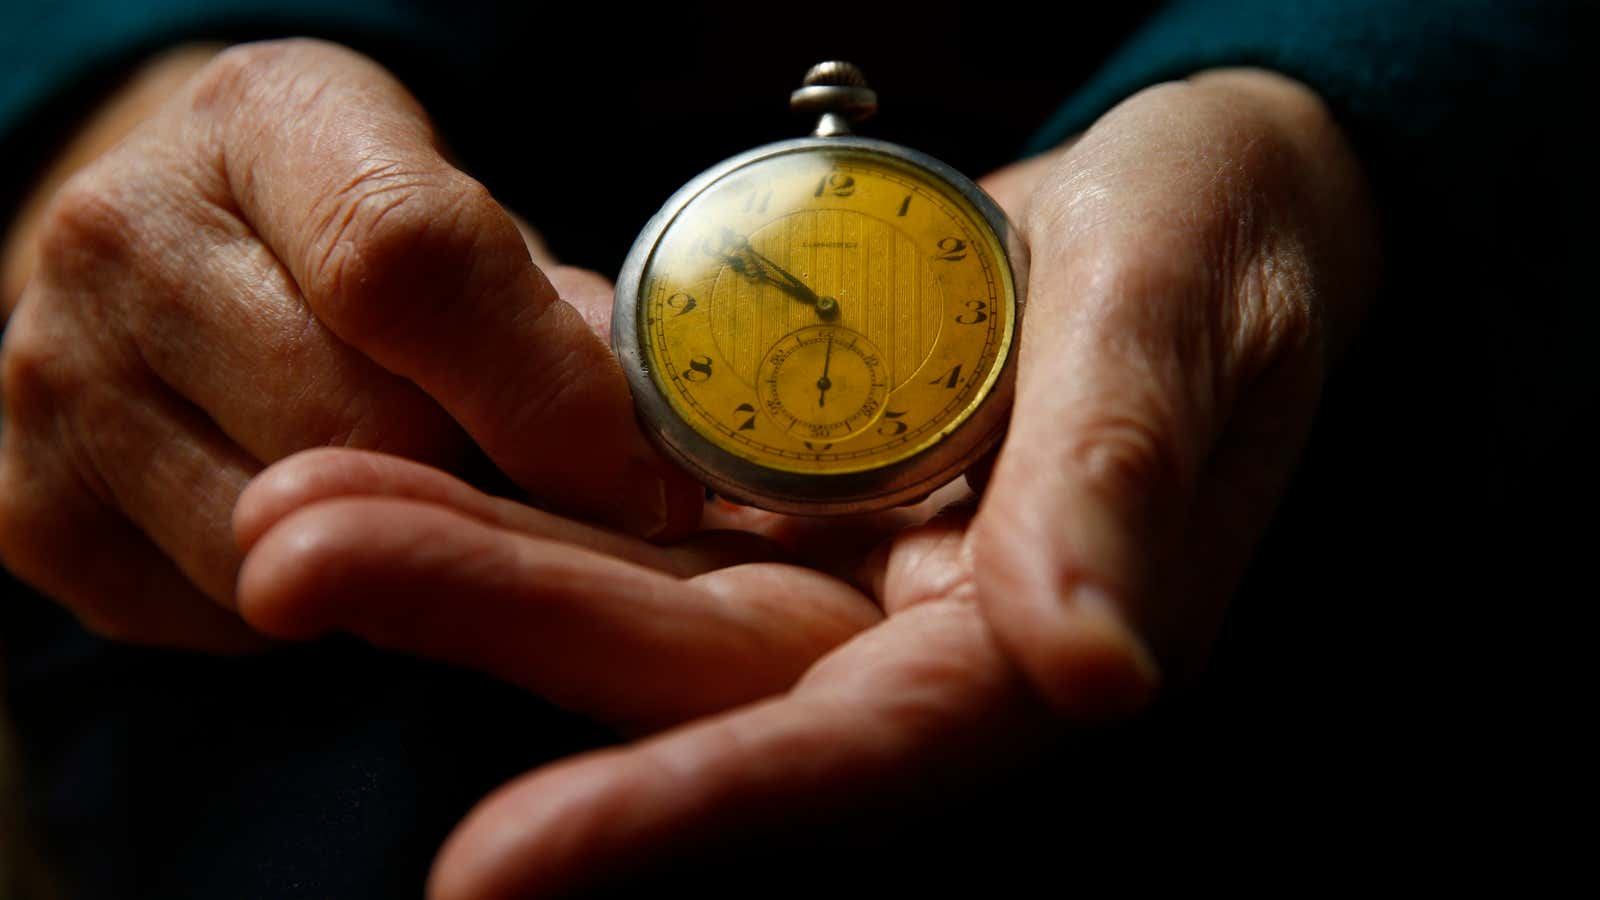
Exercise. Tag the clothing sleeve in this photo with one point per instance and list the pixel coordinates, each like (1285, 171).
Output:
(49, 45)
(1464, 117)
(1404, 77)
(58, 59)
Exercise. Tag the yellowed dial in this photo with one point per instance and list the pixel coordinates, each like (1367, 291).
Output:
(826, 311)
(827, 324)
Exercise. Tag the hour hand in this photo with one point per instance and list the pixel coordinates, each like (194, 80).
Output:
(747, 260)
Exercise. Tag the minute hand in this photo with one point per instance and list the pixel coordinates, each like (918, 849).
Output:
(774, 274)
(779, 277)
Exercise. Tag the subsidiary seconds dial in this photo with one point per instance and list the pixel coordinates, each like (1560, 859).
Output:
(808, 366)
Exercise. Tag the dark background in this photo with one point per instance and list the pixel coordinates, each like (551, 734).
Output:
(656, 99)
(1378, 657)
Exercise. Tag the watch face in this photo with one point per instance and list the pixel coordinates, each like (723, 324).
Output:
(825, 310)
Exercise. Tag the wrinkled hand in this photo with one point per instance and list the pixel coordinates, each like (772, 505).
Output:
(795, 694)
(281, 258)
(1198, 256)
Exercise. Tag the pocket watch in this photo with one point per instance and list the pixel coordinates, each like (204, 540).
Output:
(826, 324)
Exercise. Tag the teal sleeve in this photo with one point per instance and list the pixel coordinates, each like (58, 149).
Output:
(57, 59)
(1393, 70)
(1466, 117)
(1438, 97)
(45, 46)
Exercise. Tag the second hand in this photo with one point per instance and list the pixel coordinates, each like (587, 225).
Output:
(823, 383)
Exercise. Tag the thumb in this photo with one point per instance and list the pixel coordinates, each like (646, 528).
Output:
(1096, 468)
(412, 263)
(1173, 354)
(1112, 418)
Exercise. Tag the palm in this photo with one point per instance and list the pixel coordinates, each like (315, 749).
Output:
(801, 686)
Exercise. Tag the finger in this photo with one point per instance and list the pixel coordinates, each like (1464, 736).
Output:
(72, 452)
(117, 583)
(146, 251)
(329, 474)
(413, 263)
(590, 293)
(1105, 442)
(626, 644)
(1103, 447)
(160, 353)
(891, 721)
(139, 96)
(155, 459)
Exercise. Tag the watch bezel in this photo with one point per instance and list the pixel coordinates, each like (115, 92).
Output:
(744, 481)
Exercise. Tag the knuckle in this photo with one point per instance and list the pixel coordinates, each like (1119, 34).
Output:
(87, 223)
(388, 235)
(238, 73)
(62, 405)
(1275, 313)
(40, 528)
(16, 523)
(1282, 291)
(36, 372)
(1125, 457)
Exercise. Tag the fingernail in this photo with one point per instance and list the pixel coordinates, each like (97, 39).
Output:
(644, 502)
(1102, 614)
(1102, 672)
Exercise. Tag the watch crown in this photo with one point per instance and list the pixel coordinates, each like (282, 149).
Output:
(835, 72)
(838, 91)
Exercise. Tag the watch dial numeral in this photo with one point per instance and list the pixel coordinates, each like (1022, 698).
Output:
(756, 201)
(721, 245)
(949, 379)
(814, 447)
(681, 302)
(905, 205)
(893, 416)
(749, 424)
(836, 184)
(953, 249)
(977, 315)
(699, 370)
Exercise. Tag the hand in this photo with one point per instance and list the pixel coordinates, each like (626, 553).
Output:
(280, 257)
(803, 694)
(1199, 255)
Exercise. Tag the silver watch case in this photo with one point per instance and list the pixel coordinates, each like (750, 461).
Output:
(746, 482)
